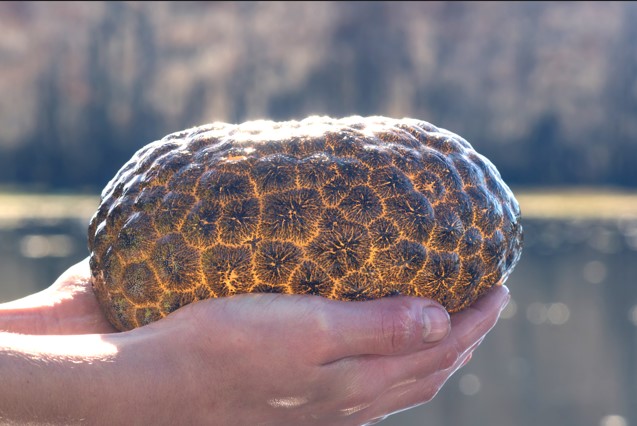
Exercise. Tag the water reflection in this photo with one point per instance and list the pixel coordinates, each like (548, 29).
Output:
(613, 420)
(633, 315)
(469, 384)
(36, 246)
(35, 251)
(594, 272)
(564, 352)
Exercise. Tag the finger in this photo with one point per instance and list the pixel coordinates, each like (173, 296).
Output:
(401, 325)
(389, 326)
(468, 331)
(410, 394)
(417, 366)
(477, 320)
(467, 359)
(328, 330)
(375, 420)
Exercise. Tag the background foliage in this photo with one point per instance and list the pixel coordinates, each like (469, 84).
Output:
(548, 91)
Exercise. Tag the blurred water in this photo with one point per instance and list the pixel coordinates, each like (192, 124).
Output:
(34, 252)
(563, 354)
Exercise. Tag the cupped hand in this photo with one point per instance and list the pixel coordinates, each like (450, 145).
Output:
(264, 359)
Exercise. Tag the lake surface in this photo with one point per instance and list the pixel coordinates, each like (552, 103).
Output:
(564, 352)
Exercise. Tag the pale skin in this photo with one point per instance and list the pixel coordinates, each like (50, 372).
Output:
(259, 359)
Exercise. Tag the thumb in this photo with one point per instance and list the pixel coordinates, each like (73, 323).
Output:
(388, 326)
(330, 330)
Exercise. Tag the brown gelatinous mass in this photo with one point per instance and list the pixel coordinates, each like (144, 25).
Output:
(349, 209)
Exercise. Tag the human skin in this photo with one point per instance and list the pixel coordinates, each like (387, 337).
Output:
(254, 359)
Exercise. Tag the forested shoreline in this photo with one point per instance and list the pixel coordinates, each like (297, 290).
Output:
(548, 91)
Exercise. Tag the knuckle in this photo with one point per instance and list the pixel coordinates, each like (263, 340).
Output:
(319, 335)
(449, 357)
(430, 393)
(435, 386)
(397, 329)
(375, 420)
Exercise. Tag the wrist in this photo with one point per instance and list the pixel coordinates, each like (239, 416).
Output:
(56, 379)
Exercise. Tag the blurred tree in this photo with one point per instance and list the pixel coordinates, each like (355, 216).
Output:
(620, 100)
(547, 91)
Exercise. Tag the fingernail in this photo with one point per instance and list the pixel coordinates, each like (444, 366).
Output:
(475, 345)
(505, 301)
(466, 360)
(436, 323)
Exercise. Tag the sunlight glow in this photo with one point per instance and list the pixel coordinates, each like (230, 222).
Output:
(553, 313)
(74, 348)
(613, 420)
(510, 310)
(288, 402)
(470, 384)
(594, 272)
(633, 315)
(38, 246)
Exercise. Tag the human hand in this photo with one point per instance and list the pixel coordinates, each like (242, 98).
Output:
(268, 359)
(256, 358)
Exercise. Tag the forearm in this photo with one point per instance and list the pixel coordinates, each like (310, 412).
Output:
(55, 379)
(98, 379)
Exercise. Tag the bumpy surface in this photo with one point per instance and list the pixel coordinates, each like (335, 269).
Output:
(349, 209)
